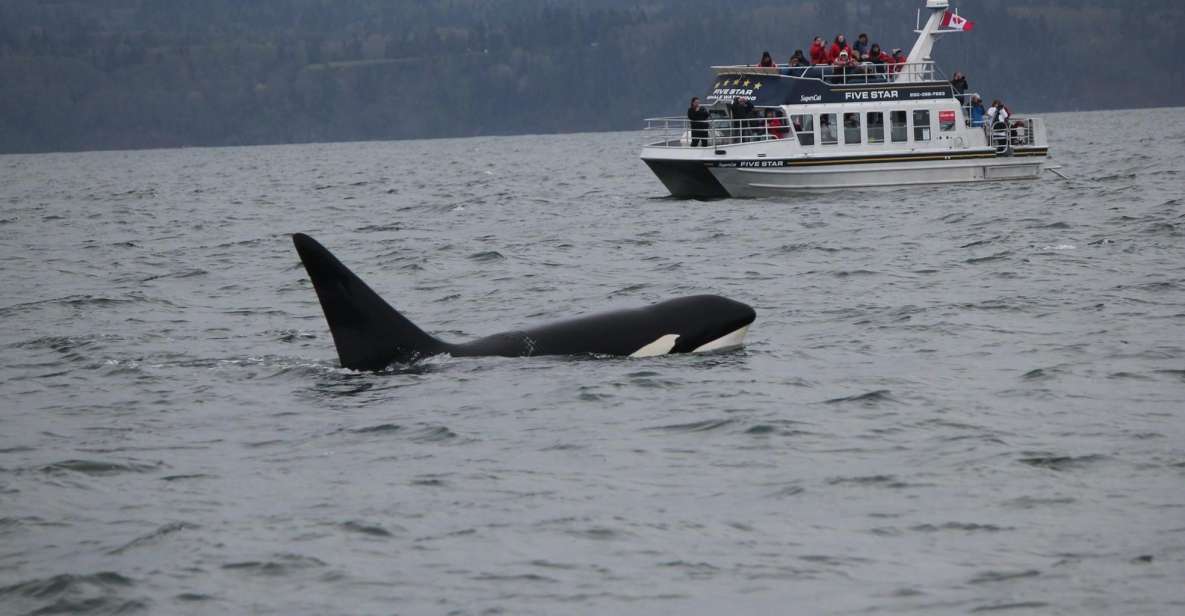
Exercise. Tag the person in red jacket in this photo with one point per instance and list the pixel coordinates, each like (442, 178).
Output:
(818, 51)
(840, 44)
(876, 56)
(774, 125)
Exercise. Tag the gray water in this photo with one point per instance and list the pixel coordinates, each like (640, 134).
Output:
(954, 399)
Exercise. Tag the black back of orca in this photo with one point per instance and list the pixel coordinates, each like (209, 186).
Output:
(370, 334)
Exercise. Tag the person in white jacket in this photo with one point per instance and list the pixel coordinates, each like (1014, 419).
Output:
(998, 113)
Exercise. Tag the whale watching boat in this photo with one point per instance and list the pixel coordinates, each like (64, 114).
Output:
(842, 127)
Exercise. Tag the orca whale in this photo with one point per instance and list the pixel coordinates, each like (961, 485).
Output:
(370, 335)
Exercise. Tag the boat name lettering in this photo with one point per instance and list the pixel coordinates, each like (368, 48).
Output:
(762, 163)
(721, 92)
(812, 98)
(871, 95)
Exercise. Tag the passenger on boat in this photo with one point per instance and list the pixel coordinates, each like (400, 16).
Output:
(977, 112)
(959, 83)
(843, 63)
(699, 123)
(798, 59)
(818, 51)
(1019, 133)
(877, 60)
(827, 134)
(861, 65)
(876, 56)
(840, 44)
(899, 58)
(767, 60)
(861, 44)
(774, 125)
(744, 117)
(998, 113)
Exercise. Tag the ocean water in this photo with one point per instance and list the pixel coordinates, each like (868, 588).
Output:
(954, 399)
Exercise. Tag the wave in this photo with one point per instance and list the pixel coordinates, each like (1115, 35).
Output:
(488, 256)
(373, 530)
(278, 565)
(697, 426)
(999, 256)
(872, 397)
(153, 537)
(95, 593)
(1062, 463)
(99, 468)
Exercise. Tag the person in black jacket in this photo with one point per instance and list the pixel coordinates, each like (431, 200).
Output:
(959, 83)
(742, 116)
(699, 123)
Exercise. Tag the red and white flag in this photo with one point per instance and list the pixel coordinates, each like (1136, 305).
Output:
(954, 22)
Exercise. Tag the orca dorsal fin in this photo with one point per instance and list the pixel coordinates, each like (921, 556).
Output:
(369, 334)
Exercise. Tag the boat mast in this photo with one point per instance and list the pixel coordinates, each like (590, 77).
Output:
(914, 70)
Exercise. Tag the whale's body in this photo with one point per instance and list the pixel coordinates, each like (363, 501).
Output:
(370, 335)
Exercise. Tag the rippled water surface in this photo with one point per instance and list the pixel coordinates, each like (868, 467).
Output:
(955, 399)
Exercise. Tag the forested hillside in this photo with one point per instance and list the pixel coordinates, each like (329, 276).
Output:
(99, 74)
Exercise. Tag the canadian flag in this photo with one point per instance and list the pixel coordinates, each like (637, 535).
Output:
(954, 22)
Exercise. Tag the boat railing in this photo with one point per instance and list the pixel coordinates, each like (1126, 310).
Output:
(677, 132)
(965, 101)
(1016, 131)
(860, 74)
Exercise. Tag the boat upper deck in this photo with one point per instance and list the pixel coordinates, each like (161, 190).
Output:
(785, 85)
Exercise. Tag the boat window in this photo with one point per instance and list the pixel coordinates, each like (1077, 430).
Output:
(876, 127)
(946, 120)
(900, 132)
(851, 128)
(804, 127)
(921, 125)
(828, 131)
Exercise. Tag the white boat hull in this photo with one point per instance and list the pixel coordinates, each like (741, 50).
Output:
(748, 182)
(762, 170)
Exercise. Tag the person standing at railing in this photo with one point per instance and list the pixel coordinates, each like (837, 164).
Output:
(843, 62)
(879, 59)
(767, 61)
(898, 61)
(861, 44)
(998, 113)
(743, 117)
(959, 83)
(840, 45)
(819, 51)
(977, 113)
(837, 47)
(698, 116)
(795, 64)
